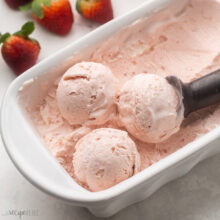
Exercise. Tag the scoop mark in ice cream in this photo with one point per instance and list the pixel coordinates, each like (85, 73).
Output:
(74, 78)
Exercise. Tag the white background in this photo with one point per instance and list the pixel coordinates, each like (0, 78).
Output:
(195, 196)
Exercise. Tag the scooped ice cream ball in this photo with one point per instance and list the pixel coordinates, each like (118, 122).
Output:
(86, 93)
(105, 157)
(149, 108)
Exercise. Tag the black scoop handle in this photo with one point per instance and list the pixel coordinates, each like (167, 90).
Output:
(200, 93)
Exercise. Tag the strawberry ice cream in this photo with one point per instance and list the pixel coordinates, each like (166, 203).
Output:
(105, 157)
(186, 45)
(86, 94)
(150, 108)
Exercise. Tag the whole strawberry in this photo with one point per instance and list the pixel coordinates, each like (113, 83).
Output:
(15, 4)
(95, 10)
(55, 15)
(20, 51)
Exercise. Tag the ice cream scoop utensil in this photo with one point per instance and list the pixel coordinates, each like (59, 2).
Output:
(200, 93)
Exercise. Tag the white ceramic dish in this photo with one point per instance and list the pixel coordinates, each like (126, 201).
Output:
(33, 160)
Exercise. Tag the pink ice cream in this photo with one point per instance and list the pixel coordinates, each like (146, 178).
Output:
(149, 108)
(86, 94)
(186, 45)
(105, 157)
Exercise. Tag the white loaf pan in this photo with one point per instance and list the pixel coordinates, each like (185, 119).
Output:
(35, 162)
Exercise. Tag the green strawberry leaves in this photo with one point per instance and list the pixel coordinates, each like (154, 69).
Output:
(26, 29)
(4, 37)
(46, 3)
(36, 7)
(26, 7)
(78, 6)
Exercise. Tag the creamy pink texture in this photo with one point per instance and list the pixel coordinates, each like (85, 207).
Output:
(86, 94)
(187, 46)
(105, 157)
(150, 108)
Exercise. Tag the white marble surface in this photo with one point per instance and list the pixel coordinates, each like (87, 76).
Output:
(195, 196)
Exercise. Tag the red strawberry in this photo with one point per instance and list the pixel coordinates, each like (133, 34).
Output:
(19, 51)
(95, 10)
(55, 15)
(15, 4)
